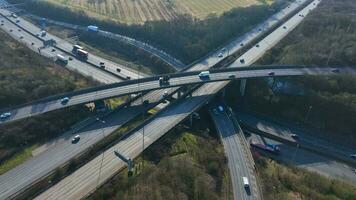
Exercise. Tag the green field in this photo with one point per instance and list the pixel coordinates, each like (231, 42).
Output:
(139, 11)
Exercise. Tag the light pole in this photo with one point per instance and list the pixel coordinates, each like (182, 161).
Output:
(307, 115)
(102, 158)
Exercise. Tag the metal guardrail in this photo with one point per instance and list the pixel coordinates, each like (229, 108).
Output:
(246, 149)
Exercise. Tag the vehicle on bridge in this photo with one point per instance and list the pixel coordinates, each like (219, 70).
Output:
(43, 33)
(5, 115)
(76, 139)
(64, 100)
(164, 80)
(204, 74)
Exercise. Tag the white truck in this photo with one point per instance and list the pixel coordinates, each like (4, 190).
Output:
(62, 59)
(245, 181)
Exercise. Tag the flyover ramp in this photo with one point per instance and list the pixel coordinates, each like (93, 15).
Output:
(202, 64)
(238, 153)
(179, 79)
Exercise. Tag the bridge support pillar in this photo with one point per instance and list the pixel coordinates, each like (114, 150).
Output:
(243, 87)
(191, 120)
(179, 94)
(223, 93)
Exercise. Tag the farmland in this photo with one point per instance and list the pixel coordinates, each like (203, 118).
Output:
(139, 11)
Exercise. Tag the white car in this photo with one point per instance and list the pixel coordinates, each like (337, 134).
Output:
(165, 93)
(76, 139)
(221, 109)
(220, 55)
(5, 115)
(64, 100)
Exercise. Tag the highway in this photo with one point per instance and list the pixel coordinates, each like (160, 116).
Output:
(307, 159)
(319, 144)
(165, 57)
(204, 63)
(179, 79)
(65, 48)
(83, 181)
(238, 153)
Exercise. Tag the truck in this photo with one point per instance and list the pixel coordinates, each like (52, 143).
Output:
(245, 181)
(92, 28)
(76, 47)
(204, 74)
(82, 54)
(268, 147)
(164, 80)
(62, 59)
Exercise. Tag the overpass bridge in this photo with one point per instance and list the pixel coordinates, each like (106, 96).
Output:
(152, 83)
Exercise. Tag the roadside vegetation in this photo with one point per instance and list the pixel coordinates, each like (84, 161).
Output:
(186, 163)
(326, 38)
(24, 77)
(185, 37)
(284, 182)
(140, 11)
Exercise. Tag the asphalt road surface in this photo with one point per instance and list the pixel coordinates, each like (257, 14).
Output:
(308, 160)
(135, 146)
(43, 106)
(236, 150)
(66, 48)
(319, 143)
(85, 179)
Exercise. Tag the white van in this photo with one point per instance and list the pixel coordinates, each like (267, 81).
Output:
(245, 181)
(204, 74)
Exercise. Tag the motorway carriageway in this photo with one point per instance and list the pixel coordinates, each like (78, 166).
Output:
(86, 179)
(234, 46)
(65, 48)
(152, 83)
(237, 151)
(26, 173)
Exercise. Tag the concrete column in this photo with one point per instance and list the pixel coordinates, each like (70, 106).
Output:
(179, 94)
(191, 120)
(243, 86)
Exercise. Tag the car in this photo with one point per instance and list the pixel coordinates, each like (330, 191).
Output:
(221, 109)
(128, 78)
(295, 136)
(10, 30)
(232, 76)
(21, 37)
(284, 27)
(165, 93)
(259, 29)
(17, 21)
(76, 139)
(271, 73)
(242, 44)
(257, 45)
(32, 43)
(118, 69)
(220, 55)
(223, 50)
(19, 30)
(2, 24)
(102, 64)
(335, 70)
(5, 115)
(242, 61)
(37, 34)
(2, 21)
(64, 100)
(353, 156)
(70, 58)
